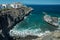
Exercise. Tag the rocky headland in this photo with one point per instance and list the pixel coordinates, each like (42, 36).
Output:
(9, 18)
(12, 16)
(51, 20)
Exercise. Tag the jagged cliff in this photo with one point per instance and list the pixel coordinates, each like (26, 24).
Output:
(9, 18)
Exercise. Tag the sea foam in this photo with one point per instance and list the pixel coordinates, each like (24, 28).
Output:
(26, 32)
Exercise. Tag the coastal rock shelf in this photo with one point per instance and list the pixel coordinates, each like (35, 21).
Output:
(10, 17)
(51, 36)
(52, 20)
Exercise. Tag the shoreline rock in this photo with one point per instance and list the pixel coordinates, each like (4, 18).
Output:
(51, 20)
(10, 17)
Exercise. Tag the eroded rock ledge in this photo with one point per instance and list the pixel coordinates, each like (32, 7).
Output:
(9, 18)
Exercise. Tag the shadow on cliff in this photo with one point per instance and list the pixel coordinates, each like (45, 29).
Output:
(7, 22)
(4, 27)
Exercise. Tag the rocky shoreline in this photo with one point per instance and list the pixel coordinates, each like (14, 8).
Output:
(51, 36)
(51, 20)
(9, 18)
(54, 35)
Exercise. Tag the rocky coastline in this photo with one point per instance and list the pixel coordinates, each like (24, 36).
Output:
(51, 20)
(9, 18)
(54, 35)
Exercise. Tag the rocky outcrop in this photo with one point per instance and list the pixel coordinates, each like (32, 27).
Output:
(9, 18)
(51, 20)
(51, 36)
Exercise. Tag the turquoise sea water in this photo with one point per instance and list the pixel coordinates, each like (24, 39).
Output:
(34, 23)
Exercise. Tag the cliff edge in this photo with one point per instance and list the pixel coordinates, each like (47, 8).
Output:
(9, 18)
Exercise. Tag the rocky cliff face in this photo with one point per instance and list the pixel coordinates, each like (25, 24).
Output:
(9, 18)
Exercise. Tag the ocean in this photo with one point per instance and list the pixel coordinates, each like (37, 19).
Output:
(34, 24)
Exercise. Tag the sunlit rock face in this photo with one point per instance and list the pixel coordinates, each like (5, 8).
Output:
(10, 17)
(51, 20)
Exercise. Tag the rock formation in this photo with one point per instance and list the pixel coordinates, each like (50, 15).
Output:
(51, 20)
(9, 18)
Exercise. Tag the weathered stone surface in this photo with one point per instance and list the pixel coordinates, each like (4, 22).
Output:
(10, 17)
(51, 20)
(52, 36)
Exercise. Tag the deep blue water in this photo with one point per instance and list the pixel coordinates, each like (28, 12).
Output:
(35, 21)
(53, 10)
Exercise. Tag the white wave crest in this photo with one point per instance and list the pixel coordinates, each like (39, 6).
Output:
(24, 33)
(25, 17)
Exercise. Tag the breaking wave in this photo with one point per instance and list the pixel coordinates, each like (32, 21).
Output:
(26, 32)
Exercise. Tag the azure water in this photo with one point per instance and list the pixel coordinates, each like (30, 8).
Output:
(34, 24)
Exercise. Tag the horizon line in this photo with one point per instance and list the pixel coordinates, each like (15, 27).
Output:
(34, 4)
